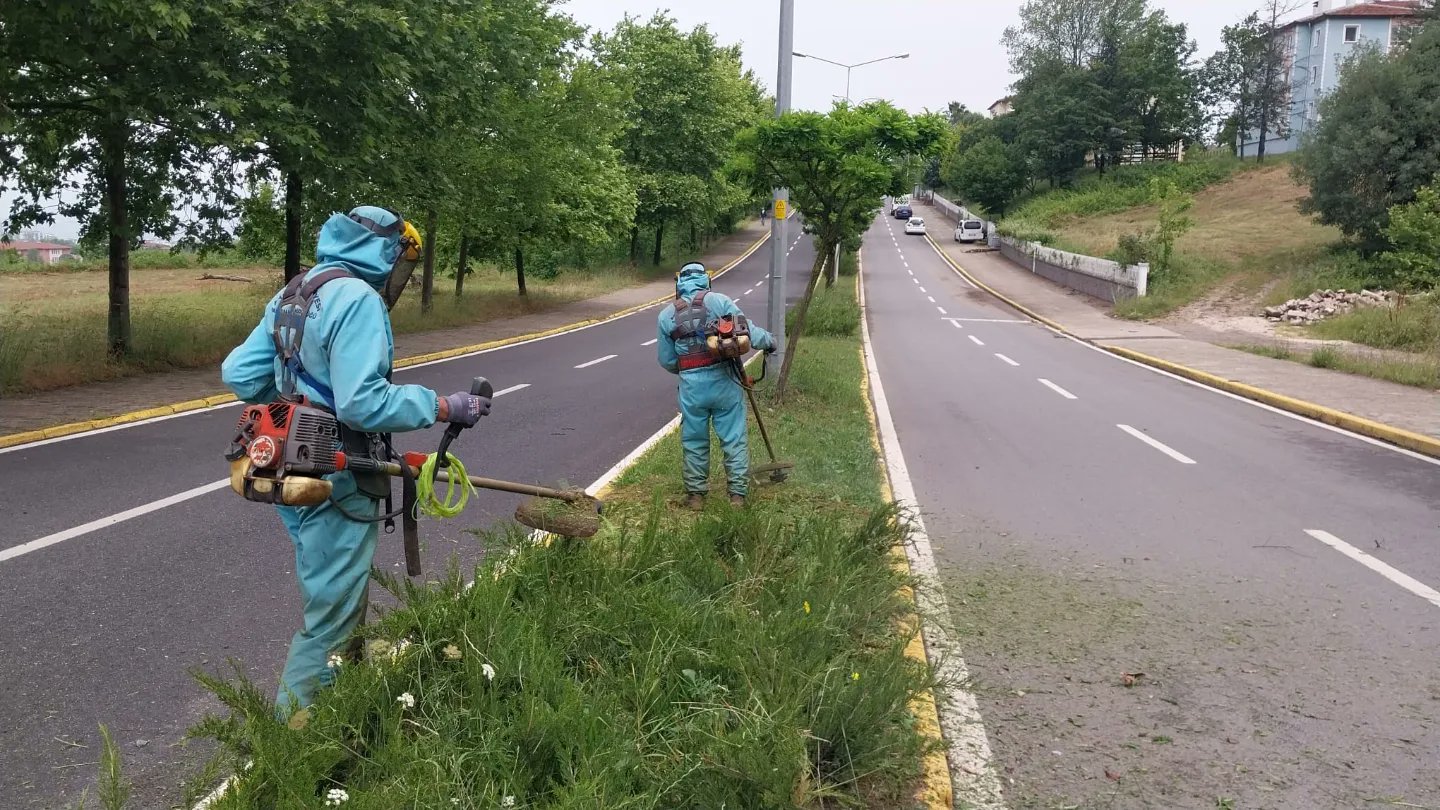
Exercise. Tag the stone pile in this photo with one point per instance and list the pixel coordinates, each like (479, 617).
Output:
(1322, 304)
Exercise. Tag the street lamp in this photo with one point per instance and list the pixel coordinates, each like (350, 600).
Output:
(835, 263)
(849, 68)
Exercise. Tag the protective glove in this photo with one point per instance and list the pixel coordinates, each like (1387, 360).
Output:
(465, 409)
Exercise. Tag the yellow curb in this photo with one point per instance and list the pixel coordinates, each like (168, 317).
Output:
(1419, 443)
(936, 791)
(72, 428)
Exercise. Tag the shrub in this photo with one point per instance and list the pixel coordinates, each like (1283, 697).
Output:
(1413, 261)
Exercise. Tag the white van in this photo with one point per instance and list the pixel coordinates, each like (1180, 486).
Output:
(970, 230)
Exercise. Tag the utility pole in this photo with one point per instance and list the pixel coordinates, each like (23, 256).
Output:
(775, 311)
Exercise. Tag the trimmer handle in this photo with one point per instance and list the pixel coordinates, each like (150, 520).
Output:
(479, 387)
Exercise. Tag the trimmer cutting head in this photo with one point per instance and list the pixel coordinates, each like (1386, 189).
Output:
(578, 516)
(776, 472)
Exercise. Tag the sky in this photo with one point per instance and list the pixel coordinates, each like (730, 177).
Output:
(956, 53)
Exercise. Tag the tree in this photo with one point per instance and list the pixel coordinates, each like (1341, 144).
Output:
(685, 98)
(960, 115)
(1377, 141)
(837, 167)
(1062, 116)
(1413, 261)
(114, 108)
(990, 174)
(1249, 78)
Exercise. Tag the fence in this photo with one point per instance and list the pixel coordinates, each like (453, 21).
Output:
(1099, 278)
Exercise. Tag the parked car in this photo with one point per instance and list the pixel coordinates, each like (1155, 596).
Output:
(903, 212)
(970, 230)
(915, 227)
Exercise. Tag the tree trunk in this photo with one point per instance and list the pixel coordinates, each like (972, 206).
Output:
(463, 266)
(520, 268)
(659, 238)
(634, 244)
(294, 196)
(117, 209)
(792, 338)
(1264, 124)
(694, 236)
(427, 276)
(834, 274)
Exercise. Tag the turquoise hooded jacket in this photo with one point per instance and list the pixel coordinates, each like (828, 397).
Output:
(348, 347)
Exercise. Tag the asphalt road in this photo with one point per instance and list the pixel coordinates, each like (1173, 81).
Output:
(1120, 520)
(104, 626)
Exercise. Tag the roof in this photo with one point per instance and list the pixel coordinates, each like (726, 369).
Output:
(1380, 8)
(24, 245)
(998, 102)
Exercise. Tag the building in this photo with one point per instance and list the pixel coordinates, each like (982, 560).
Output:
(1317, 46)
(38, 252)
(1002, 106)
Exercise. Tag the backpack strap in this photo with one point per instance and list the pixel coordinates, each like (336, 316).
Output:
(690, 317)
(293, 313)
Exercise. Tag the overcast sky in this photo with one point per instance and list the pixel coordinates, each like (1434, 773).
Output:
(954, 45)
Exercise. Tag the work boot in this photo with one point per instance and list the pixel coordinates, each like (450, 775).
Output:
(737, 501)
(695, 501)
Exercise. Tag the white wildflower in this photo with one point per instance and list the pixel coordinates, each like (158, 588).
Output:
(335, 661)
(454, 801)
(336, 797)
(399, 649)
(407, 700)
(489, 671)
(508, 801)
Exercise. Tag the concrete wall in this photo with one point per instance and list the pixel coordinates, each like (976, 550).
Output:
(1100, 278)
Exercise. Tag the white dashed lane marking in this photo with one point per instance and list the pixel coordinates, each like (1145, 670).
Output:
(978, 342)
(1155, 443)
(599, 360)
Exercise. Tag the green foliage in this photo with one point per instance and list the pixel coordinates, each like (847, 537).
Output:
(1123, 188)
(990, 174)
(1413, 261)
(114, 791)
(1247, 82)
(1374, 145)
(1132, 248)
(1170, 223)
(1412, 326)
(261, 234)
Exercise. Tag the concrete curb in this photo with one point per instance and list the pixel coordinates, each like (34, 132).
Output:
(937, 791)
(1416, 442)
(71, 428)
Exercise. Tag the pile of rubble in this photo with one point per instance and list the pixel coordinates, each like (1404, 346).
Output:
(1322, 304)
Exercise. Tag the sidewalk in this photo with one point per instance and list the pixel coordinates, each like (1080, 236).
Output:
(112, 397)
(1389, 403)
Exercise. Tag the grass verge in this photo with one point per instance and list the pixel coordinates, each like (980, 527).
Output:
(738, 658)
(1420, 372)
(53, 324)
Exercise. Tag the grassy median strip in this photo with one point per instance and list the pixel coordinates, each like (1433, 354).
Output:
(736, 658)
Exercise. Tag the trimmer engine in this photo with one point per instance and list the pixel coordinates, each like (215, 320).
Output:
(281, 450)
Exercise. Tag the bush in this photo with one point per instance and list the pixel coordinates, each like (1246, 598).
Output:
(1132, 248)
(1413, 262)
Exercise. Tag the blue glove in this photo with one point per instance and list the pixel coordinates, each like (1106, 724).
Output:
(465, 409)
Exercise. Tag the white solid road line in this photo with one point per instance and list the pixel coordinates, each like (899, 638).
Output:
(977, 341)
(1006, 359)
(111, 520)
(144, 509)
(1057, 389)
(971, 770)
(651, 342)
(1158, 445)
(599, 360)
(942, 310)
(1391, 573)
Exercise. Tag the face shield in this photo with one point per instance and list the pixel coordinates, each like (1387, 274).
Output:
(408, 252)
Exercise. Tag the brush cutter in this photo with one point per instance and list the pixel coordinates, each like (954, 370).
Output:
(282, 451)
(777, 471)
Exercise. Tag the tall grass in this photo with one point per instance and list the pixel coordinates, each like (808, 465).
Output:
(1414, 326)
(739, 658)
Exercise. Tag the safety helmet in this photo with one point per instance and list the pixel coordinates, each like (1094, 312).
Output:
(410, 249)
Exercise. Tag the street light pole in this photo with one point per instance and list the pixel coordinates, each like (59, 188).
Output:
(784, 47)
(775, 309)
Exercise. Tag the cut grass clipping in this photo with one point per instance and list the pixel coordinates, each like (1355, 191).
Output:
(739, 658)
